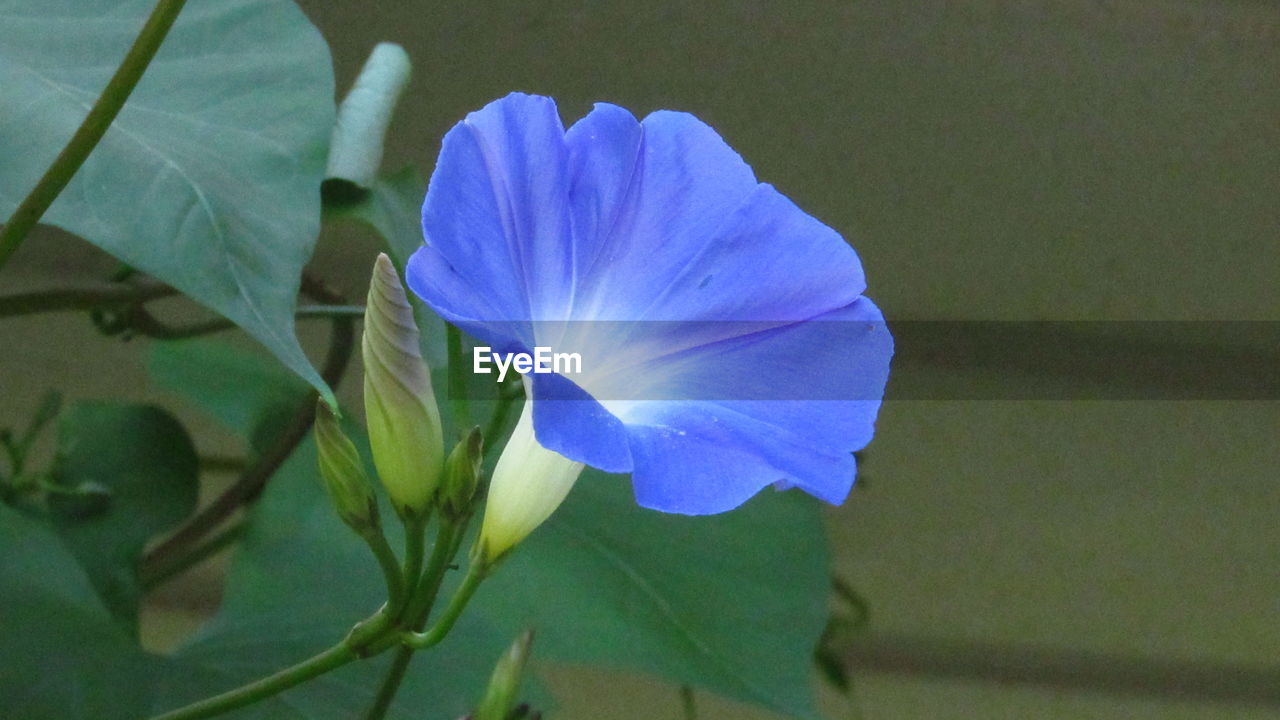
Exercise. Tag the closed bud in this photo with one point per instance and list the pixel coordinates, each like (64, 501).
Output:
(504, 684)
(343, 474)
(400, 408)
(462, 474)
(528, 484)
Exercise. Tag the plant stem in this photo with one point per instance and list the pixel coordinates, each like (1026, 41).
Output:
(144, 323)
(414, 548)
(391, 685)
(255, 477)
(421, 601)
(334, 657)
(688, 702)
(92, 129)
(390, 567)
(457, 386)
(498, 419)
(156, 576)
(85, 297)
(475, 575)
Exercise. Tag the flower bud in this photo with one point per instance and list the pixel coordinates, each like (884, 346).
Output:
(504, 684)
(528, 484)
(462, 474)
(343, 473)
(400, 408)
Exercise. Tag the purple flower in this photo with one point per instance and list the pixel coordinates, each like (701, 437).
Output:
(725, 342)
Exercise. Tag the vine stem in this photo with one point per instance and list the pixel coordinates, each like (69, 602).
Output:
(92, 129)
(475, 575)
(84, 297)
(317, 665)
(688, 702)
(159, 575)
(457, 382)
(414, 541)
(377, 542)
(421, 601)
(255, 477)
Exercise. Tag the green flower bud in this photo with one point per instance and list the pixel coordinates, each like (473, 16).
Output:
(462, 474)
(400, 408)
(343, 473)
(528, 484)
(504, 684)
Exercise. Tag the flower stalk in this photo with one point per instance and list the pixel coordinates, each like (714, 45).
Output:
(91, 129)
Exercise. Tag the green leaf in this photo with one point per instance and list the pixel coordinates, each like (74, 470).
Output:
(61, 655)
(209, 177)
(142, 457)
(733, 603)
(393, 209)
(242, 390)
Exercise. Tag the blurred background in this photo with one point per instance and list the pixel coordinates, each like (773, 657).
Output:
(1044, 160)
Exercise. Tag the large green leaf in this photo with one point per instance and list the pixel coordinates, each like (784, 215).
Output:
(241, 390)
(209, 177)
(733, 603)
(61, 655)
(143, 457)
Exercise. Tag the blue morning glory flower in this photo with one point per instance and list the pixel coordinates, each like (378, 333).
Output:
(725, 342)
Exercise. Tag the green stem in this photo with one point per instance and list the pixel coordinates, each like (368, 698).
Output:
(498, 420)
(420, 603)
(153, 577)
(92, 129)
(255, 477)
(334, 657)
(475, 575)
(390, 567)
(457, 386)
(688, 702)
(414, 550)
(424, 594)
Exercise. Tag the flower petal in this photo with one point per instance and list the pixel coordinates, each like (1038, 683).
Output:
(767, 260)
(788, 404)
(569, 421)
(453, 295)
(725, 342)
(709, 460)
(496, 206)
(685, 183)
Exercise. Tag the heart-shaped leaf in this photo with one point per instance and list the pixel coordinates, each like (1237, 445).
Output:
(209, 177)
